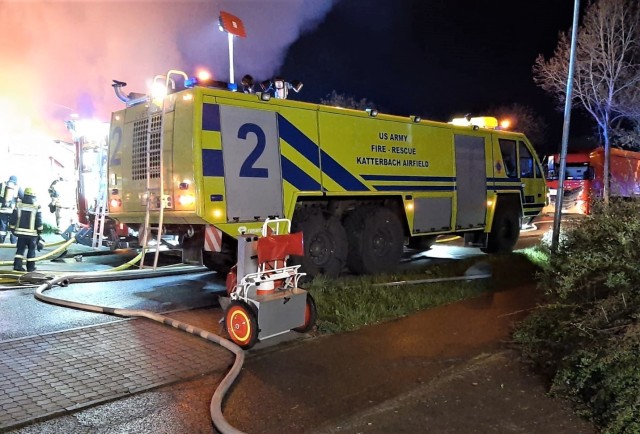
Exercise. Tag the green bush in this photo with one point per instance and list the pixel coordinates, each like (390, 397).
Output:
(586, 336)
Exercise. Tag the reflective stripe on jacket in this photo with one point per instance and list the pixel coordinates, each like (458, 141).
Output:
(26, 219)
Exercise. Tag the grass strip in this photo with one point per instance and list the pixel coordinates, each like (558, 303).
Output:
(351, 302)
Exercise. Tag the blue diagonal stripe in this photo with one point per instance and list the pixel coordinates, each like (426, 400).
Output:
(296, 138)
(305, 146)
(341, 175)
(212, 164)
(296, 177)
(210, 117)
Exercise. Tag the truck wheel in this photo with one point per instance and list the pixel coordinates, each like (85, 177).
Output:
(325, 244)
(375, 240)
(505, 230)
(241, 324)
(310, 316)
(422, 243)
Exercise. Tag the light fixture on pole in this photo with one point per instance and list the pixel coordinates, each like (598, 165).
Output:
(234, 27)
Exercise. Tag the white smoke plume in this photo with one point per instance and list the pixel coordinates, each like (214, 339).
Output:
(59, 57)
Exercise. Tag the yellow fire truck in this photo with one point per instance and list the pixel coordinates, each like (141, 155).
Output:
(209, 164)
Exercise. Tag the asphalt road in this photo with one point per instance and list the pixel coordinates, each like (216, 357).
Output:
(161, 294)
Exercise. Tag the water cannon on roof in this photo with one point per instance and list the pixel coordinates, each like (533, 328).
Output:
(131, 98)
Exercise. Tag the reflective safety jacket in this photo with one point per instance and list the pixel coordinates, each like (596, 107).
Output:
(26, 219)
(9, 194)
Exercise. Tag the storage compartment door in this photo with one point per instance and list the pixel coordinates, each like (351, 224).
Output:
(251, 153)
(471, 181)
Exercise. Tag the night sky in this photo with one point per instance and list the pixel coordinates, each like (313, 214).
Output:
(438, 59)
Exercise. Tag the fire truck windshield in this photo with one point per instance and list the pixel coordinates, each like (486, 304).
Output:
(578, 172)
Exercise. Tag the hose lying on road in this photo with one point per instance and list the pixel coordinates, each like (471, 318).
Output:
(216, 400)
(47, 255)
(481, 270)
(13, 246)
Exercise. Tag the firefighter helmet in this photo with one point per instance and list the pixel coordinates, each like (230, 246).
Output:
(29, 191)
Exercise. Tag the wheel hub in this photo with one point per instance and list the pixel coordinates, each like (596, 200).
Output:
(380, 243)
(319, 249)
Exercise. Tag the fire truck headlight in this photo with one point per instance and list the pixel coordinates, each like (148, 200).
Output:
(409, 206)
(416, 119)
(186, 199)
(217, 213)
(115, 203)
(372, 112)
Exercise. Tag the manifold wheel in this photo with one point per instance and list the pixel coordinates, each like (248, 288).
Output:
(310, 315)
(242, 324)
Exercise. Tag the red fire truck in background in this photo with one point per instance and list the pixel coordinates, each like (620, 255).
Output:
(584, 178)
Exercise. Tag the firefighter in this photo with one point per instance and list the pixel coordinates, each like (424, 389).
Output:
(10, 192)
(26, 224)
(63, 202)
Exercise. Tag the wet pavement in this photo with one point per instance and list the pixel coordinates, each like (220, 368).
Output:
(443, 369)
(48, 375)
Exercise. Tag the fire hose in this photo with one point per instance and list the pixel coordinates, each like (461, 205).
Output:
(216, 400)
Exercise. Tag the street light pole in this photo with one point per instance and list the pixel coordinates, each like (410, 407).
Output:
(565, 130)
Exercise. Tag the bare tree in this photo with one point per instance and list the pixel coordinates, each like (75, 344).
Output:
(607, 63)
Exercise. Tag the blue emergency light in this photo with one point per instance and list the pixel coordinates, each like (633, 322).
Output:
(195, 81)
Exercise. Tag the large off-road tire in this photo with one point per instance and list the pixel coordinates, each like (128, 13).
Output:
(505, 229)
(376, 240)
(325, 243)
